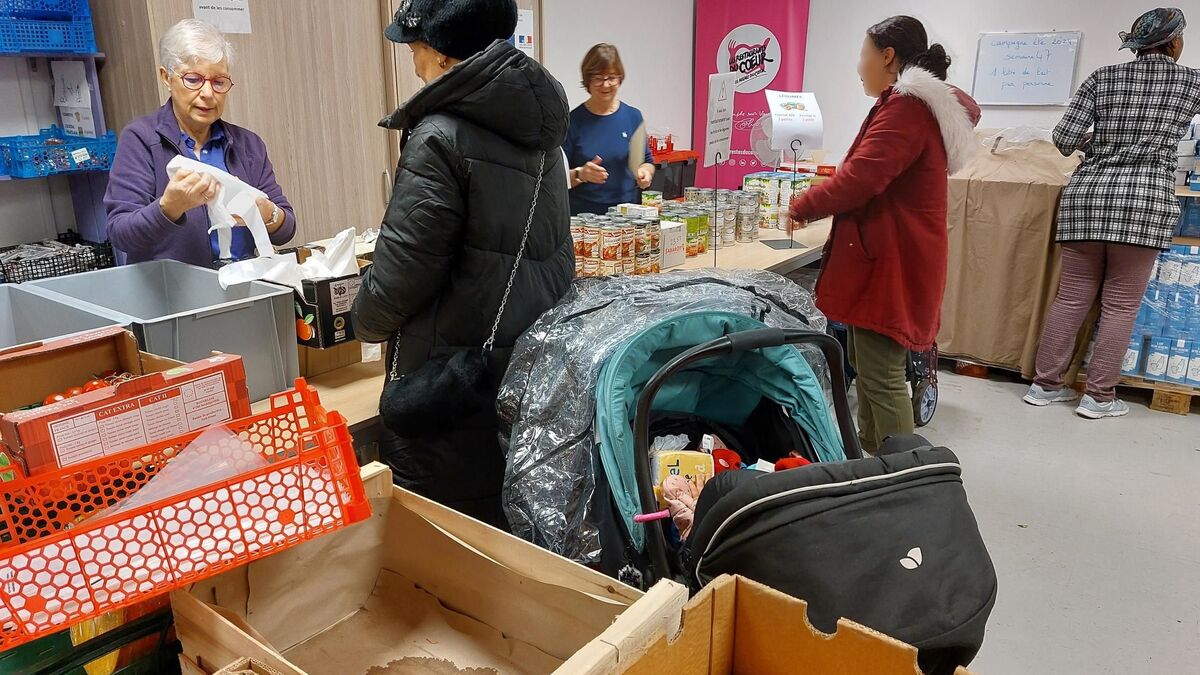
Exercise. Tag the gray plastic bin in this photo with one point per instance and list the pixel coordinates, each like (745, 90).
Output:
(180, 311)
(27, 317)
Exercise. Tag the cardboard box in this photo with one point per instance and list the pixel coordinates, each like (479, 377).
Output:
(736, 625)
(674, 243)
(323, 310)
(416, 586)
(314, 362)
(247, 667)
(168, 398)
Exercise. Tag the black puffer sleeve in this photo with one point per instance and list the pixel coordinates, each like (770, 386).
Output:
(421, 233)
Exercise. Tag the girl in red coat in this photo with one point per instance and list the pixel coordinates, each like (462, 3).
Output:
(884, 267)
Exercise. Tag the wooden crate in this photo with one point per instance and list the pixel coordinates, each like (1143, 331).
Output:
(1169, 398)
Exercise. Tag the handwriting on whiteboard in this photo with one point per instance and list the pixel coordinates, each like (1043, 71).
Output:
(1026, 68)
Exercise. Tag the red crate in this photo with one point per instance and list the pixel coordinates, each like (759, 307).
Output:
(58, 568)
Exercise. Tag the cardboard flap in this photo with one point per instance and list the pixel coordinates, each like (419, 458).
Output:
(512, 552)
(141, 385)
(213, 641)
(29, 374)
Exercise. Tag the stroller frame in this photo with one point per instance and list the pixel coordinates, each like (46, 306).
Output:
(656, 547)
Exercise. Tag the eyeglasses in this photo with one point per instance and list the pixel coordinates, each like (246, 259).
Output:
(601, 80)
(195, 82)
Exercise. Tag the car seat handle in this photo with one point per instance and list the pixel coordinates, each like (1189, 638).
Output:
(761, 338)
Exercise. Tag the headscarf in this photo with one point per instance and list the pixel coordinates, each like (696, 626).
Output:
(1154, 29)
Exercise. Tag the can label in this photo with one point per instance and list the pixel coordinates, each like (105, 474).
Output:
(628, 265)
(609, 268)
(589, 246)
(591, 268)
(610, 244)
(627, 241)
(642, 265)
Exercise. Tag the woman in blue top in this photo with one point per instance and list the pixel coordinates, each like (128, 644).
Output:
(598, 139)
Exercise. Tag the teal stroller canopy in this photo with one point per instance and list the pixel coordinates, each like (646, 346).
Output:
(725, 391)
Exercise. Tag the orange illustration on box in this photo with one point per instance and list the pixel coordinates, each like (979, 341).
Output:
(304, 329)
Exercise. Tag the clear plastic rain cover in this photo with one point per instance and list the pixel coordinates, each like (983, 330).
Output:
(548, 402)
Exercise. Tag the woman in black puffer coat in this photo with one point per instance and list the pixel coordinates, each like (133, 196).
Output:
(474, 138)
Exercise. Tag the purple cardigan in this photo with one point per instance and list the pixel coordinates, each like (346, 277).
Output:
(136, 224)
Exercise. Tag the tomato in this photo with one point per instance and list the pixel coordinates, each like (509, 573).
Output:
(73, 392)
(53, 398)
(93, 385)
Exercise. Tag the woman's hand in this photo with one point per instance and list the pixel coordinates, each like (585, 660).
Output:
(645, 175)
(592, 172)
(186, 191)
(267, 210)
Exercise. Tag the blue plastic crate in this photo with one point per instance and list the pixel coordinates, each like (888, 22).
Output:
(60, 10)
(75, 36)
(51, 152)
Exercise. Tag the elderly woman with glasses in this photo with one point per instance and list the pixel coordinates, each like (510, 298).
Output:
(154, 216)
(598, 141)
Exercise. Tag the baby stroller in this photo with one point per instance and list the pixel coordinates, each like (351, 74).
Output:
(920, 370)
(744, 356)
(566, 403)
(888, 541)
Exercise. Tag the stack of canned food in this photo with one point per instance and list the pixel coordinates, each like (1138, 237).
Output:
(628, 239)
(737, 211)
(616, 244)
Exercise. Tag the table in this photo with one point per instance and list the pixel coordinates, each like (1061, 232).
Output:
(760, 256)
(354, 390)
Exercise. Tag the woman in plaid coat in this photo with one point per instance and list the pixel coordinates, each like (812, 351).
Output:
(1119, 209)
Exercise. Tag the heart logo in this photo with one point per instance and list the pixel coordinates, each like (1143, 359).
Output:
(913, 560)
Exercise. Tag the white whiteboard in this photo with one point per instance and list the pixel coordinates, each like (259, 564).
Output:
(1026, 68)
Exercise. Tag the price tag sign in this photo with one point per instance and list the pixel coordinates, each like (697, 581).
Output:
(81, 156)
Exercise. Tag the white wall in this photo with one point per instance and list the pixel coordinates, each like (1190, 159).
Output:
(30, 210)
(837, 28)
(655, 41)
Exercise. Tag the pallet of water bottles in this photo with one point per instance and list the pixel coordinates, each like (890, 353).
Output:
(1165, 346)
(52, 152)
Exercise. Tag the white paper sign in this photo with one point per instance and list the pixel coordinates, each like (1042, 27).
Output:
(722, 87)
(229, 16)
(78, 122)
(523, 38)
(81, 156)
(795, 116)
(70, 84)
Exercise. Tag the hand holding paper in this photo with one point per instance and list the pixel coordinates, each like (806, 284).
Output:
(233, 197)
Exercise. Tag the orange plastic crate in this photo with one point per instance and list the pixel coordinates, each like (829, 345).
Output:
(58, 568)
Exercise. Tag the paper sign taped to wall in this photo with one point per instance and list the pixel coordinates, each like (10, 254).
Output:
(70, 84)
(523, 38)
(229, 16)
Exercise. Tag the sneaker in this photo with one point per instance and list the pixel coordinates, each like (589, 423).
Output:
(1095, 410)
(1043, 397)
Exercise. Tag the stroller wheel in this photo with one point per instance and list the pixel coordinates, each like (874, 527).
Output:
(925, 400)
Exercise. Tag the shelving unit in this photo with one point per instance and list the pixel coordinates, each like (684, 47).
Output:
(87, 187)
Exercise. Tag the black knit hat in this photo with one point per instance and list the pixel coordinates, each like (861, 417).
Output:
(457, 28)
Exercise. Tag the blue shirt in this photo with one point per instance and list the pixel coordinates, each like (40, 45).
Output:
(605, 136)
(213, 154)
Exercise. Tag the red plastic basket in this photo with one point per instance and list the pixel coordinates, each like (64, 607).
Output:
(58, 568)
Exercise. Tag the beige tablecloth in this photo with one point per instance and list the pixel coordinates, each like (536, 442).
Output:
(1003, 262)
